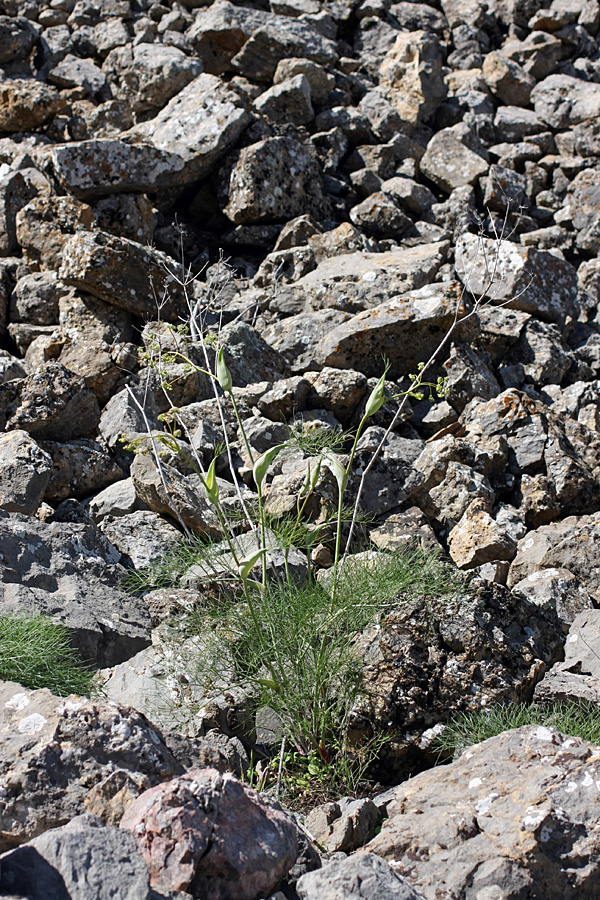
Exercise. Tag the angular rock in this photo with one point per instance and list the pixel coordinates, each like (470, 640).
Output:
(562, 101)
(123, 273)
(200, 124)
(577, 677)
(61, 758)
(74, 72)
(26, 104)
(404, 330)
(449, 161)
(16, 190)
(167, 492)
(582, 202)
(558, 588)
(460, 487)
(361, 877)
(147, 76)
(280, 38)
(274, 180)
(24, 473)
(209, 834)
(83, 860)
(343, 826)
(378, 216)
(297, 337)
(117, 499)
(478, 539)
(44, 225)
(35, 299)
(78, 469)
(52, 404)
(498, 819)
(220, 31)
(17, 38)
(70, 571)
(411, 75)
(288, 101)
(533, 281)
(507, 80)
(142, 537)
(249, 357)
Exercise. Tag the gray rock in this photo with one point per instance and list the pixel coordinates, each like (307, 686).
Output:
(35, 299)
(581, 203)
(24, 473)
(74, 72)
(83, 860)
(379, 216)
(320, 80)
(249, 357)
(468, 812)
(297, 337)
(577, 677)
(52, 404)
(117, 499)
(17, 38)
(142, 537)
(78, 469)
(460, 487)
(288, 101)
(279, 38)
(405, 330)
(343, 826)
(147, 76)
(450, 162)
(403, 530)
(361, 877)
(557, 588)
(17, 189)
(220, 31)
(561, 101)
(44, 226)
(70, 571)
(533, 281)
(469, 376)
(10, 367)
(102, 756)
(273, 180)
(507, 80)
(513, 123)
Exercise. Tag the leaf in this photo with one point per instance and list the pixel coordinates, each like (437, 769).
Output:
(248, 562)
(223, 374)
(268, 683)
(261, 466)
(210, 483)
(312, 476)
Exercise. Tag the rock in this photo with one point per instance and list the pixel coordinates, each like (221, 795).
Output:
(142, 537)
(70, 571)
(405, 330)
(557, 588)
(533, 281)
(460, 487)
(577, 677)
(61, 758)
(361, 877)
(449, 161)
(123, 273)
(249, 357)
(82, 860)
(273, 180)
(581, 206)
(127, 414)
(17, 38)
(456, 654)
(147, 76)
(167, 492)
(562, 101)
(477, 539)
(24, 473)
(279, 38)
(117, 499)
(338, 391)
(343, 826)
(378, 216)
(411, 75)
(207, 832)
(470, 809)
(469, 376)
(16, 190)
(288, 101)
(404, 530)
(78, 469)
(73, 72)
(220, 31)
(52, 404)
(297, 337)
(507, 80)
(26, 104)
(200, 124)
(44, 225)
(10, 367)
(35, 299)
(569, 544)
(320, 80)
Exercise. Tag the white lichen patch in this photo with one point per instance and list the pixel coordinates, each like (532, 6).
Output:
(32, 724)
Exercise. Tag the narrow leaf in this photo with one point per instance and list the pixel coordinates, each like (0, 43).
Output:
(377, 398)
(337, 468)
(248, 562)
(261, 466)
(210, 483)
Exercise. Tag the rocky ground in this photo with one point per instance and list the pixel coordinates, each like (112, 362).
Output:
(364, 168)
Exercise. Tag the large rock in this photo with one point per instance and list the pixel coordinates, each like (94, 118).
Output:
(524, 278)
(17, 38)
(147, 76)
(272, 181)
(220, 31)
(78, 469)
(562, 101)
(83, 860)
(456, 654)
(405, 330)
(207, 834)
(200, 124)
(123, 273)
(279, 38)
(515, 816)
(361, 877)
(577, 677)
(44, 226)
(25, 104)
(24, 473)
(450, 162)
(411, 75)
(60, 758)
(71, 572)
(52, 404)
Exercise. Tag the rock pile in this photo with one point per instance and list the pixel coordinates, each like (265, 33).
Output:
(367, 167)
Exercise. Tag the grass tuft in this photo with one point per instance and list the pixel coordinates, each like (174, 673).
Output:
(36, 652)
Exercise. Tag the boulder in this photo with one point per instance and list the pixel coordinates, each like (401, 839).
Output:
(577, 677)
(411, 75)
(78, 469)
(211, 835)
(450, 162)
(364, 876)
(142, 537)
(147, 76)
(25, 471)
(71, 572)
(61, 758)
(17, 38)
(26, 104)
(44, 226)
(562, 101)
(502, 820)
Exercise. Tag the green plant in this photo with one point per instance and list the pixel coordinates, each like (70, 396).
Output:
(36, 652)
(577, 719)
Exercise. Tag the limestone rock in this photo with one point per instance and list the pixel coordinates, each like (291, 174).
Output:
(288, 101)
(17, 38)
(500, 813)
(142, 537)
(449, 161)
(78, 469)
(208, 833)
(561, 101)
(577, 677)
(477, 539)
(25, 104)
(25, 471)
(44, 225)
(507, 80)
(363, 876)
(558, 588)
(147, 76)
(343, 826)
(411, 74)
(98, 748)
